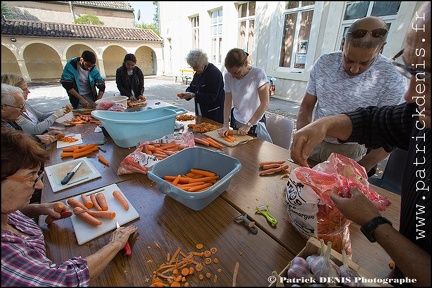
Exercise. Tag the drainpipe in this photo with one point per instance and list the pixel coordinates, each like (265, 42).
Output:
(72, 12)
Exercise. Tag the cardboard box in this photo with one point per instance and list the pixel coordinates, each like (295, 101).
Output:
(313, 246)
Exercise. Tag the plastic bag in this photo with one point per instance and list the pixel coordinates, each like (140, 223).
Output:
(118, 107)
(310, 208)
(139, 162)
(104, 105)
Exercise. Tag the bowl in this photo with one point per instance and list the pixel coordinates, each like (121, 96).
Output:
(195, 157)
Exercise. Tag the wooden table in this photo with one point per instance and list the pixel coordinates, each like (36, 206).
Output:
(171, 225)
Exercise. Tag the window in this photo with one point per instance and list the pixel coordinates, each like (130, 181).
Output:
(387, 10)
(216, 36)
(297, 26)
(195, 32)
(246, 18)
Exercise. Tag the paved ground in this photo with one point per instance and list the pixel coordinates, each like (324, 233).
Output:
(51, 96)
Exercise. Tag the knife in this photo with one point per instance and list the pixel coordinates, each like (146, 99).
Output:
(70, 174)
(126, 248)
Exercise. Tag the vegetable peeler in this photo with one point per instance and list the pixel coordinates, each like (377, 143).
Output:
(263, 210)
(249, 224)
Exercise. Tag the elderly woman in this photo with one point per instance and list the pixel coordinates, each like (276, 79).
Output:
(31, 120)
(207, 87)
(23, 254)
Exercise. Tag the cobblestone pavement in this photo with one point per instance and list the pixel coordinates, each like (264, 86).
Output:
(50, 96)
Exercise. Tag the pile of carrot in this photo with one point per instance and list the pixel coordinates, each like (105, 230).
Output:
(272, 167)
(82, 119)
(208, 141)
(83, 209)
(203, 127)
(69, 139)
(181, 266)
(162, 150)
(196, 180)
(79, 150)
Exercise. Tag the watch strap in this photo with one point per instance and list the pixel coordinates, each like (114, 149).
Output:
(249, 124)
(370, 227)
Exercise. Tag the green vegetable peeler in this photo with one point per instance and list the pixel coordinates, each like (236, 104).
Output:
(263, 210)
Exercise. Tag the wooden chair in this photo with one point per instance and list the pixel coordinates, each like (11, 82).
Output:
(280, 129)
(393, 173)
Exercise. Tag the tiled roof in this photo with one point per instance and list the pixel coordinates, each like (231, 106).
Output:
(59, 30)
(119, 5)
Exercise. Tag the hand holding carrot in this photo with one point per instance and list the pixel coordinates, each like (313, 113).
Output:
(121, 235)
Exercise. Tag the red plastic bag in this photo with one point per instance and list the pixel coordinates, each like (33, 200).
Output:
(310, 208)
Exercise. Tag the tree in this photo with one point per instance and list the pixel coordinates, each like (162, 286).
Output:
(89, 19)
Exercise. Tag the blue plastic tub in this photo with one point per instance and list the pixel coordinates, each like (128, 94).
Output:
(127, 129)
(195, 157)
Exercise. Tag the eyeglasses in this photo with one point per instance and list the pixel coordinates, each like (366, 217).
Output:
(407, 71)
(360, 33)
(18, 107)
(22, 178)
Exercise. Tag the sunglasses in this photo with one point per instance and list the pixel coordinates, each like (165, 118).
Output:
(407, 71)
(376, 33)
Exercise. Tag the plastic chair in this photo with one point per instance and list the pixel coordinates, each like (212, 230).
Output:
(280, 129)
(393, 173)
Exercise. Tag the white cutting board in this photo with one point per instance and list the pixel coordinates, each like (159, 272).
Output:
(85, 232)
(57, 172)
(62, 144)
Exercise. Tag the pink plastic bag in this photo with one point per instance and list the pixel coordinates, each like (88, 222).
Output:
(310, 208)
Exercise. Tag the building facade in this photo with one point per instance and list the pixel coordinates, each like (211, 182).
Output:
(285, 38)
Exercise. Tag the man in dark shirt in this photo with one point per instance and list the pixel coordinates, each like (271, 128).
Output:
(406, 126)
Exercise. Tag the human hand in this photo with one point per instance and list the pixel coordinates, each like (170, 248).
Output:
(56, 211)
(60, 113)
(84, 103)
(304, 141)
(121, 235)
(68, 108)
(132, 98)
(188, 95)
(358, 208)
(244, 130)
(46, 139)
(223, 131)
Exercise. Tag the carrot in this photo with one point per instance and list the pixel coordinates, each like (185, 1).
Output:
(176, 180)
(181, 180)
(270, 166)
(201, 141)
(168, 145)
(202, 172)
(198, 187)
(261, 164)
(75, 203)
(70, 148)
(213, 143)
(85, 152)
(120, 198)
(95, 203)
(59, 209)
(273, 170)
(86, 217)
(205, 179)
(85, 147)
(66, 154)
(102, 159)
(102, 214)
(102, 201)
(87, 202)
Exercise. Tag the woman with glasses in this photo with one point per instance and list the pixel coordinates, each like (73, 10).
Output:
(23, 259)
(31, 120)
(246, 96)
(356, 76)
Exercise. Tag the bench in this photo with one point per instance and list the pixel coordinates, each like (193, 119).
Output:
(185, 75)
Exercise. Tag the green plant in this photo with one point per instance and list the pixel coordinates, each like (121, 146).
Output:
(89, 19)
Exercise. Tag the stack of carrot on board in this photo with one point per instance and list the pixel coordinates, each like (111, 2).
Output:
(196, 180)
(82, 119)
(78, 150)
(82, 209)
(208, 141)
(162, 150)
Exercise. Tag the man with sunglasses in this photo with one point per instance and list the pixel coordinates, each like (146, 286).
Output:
(80, 78)
(406, 126)
(356, 76)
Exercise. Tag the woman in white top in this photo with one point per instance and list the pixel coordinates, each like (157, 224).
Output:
(33, 121)
(246, 96)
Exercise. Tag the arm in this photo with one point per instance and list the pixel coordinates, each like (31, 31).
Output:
(305, 139)
(227, 113)
(263, 94)
(120, 84)
(36, 128)
(34, 210)
(307, 105)
(140, 83)
(372, 158)
(412, 261)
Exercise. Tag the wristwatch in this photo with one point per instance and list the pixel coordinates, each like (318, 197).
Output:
(370, 227)
(249, 124)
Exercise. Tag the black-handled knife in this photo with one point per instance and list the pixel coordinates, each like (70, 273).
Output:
(70, 174)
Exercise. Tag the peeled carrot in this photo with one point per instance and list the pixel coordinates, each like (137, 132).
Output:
(261, 164)
(70, 148)
(102, 159)
(75, 203)
(86, 217)
(59, 209)
(119, 197)
(85, 152)
(102, 214)
(201, 141)
(85, 147)
(176, 180)
(66, 154)
(102, 201)
(198, 187)
(202, 172)
(95, 203)
(87, 202)
(205, 179)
